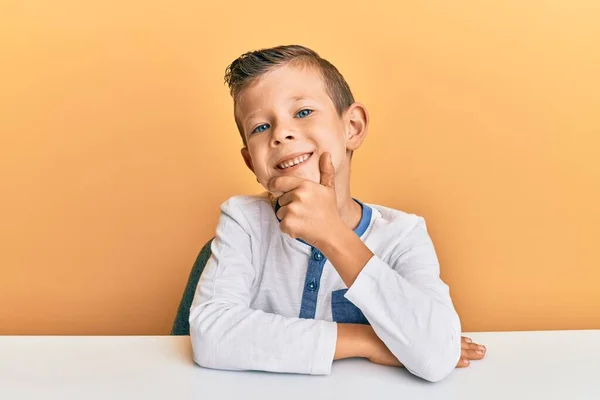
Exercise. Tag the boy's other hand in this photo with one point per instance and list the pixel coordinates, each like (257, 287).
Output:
(308, 209)
(470, 351)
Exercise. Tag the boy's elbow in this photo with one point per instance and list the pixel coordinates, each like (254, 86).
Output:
(437, 372)
(206, 340)
(442, 361)
(439, 357)
(205, 356)
(202, 348)
(435, 376)
(436, 368)
(210, 351)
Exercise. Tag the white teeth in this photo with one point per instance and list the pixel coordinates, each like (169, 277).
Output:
(295, 161)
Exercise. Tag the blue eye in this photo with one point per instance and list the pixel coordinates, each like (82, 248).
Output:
(304, 113)
(261, 128)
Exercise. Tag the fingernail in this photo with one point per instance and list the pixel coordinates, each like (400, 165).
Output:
(466, 362)
(478, 351)
(482, 348)
(468, 340)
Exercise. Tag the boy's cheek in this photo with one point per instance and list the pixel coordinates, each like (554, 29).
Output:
(263, 182)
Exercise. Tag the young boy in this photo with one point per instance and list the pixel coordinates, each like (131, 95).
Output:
(305, 274)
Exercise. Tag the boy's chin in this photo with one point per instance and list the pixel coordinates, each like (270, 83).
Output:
(306, 174)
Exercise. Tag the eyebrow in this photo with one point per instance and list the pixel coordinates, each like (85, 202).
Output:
(298, 98)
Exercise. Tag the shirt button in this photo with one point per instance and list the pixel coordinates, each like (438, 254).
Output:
(312, 285)
(318, 256)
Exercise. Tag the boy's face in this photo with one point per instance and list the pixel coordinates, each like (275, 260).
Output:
(289, 120)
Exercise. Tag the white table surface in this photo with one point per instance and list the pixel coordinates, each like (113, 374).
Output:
(519, 365)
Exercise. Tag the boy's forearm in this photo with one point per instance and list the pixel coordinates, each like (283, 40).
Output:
(352, 341)
(346, 252)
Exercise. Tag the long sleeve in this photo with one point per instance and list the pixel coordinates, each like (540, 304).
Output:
(409, 306)
(227, 334)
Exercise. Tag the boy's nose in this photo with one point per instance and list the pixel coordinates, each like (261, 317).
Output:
(282, 136)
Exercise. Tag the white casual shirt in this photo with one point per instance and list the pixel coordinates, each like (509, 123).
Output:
(268, 302)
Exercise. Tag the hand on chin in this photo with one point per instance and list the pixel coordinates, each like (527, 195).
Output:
(302, 173)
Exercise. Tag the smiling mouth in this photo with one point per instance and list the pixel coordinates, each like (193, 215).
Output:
(294, 161)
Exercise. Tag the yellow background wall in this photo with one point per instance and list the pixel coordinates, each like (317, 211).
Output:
(118, 145)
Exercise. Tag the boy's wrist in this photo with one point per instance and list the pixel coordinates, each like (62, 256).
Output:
(334, 238)
(346, 252)
(353, 340)
(367, 339)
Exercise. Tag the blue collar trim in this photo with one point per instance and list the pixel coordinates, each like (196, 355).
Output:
(365, 220)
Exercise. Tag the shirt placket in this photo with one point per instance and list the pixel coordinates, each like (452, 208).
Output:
(312, 282)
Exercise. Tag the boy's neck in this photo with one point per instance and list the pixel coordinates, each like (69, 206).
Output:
(349, 210)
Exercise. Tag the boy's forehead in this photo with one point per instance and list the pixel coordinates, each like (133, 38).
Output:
(284, 84)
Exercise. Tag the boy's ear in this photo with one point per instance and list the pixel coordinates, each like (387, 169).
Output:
(247, 158)
(357, 125)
